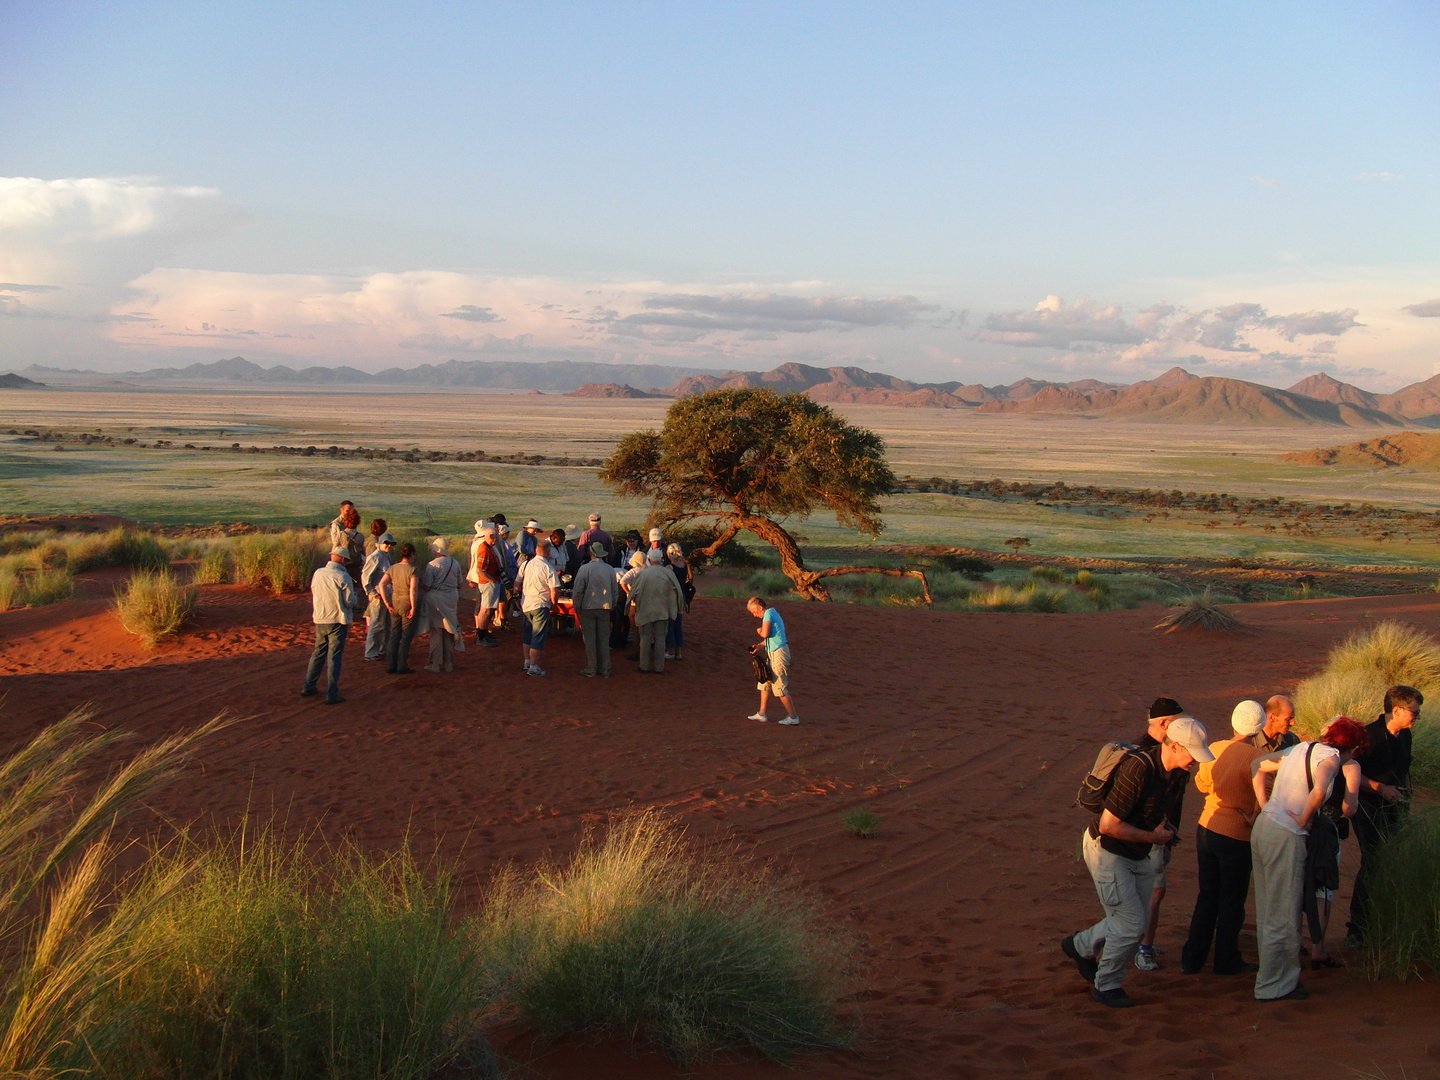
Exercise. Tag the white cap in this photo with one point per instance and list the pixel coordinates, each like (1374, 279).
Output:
(1191, 734)
(654, 536)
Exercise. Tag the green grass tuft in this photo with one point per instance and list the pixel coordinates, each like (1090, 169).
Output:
(216, 567)
(1403, 935)
(862, 821)
(643, 937)
(154, 605)
(286, 959)
(280, 562)
(1200, 611)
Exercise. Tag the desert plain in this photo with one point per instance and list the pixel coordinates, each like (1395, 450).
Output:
(966, 733)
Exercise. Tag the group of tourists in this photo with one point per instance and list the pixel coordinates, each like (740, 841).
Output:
(612, 588)
(1276, 810)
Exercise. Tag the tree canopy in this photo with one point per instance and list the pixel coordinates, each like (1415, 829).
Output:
(748, 456)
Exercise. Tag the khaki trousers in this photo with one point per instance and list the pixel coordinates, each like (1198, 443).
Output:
(652, 645)
(1123, 886)
(1278, 856)
(595, 625)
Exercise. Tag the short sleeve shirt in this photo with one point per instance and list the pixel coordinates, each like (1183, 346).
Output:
(776, 640)
(1142, 794)
(540, 578)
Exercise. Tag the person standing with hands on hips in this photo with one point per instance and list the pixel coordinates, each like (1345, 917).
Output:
(777, 650)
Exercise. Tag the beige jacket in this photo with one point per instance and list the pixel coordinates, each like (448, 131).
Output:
(595, 586)
(656, 595)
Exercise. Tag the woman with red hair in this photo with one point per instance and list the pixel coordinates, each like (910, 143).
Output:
(1304, 777)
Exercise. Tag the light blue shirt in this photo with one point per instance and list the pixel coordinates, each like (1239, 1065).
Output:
(776, 639)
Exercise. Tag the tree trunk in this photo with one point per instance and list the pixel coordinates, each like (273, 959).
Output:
(807, 582)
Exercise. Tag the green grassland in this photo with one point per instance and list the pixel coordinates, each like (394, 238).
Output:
(178, 486)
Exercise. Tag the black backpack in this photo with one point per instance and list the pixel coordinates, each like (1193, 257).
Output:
(1095, 788)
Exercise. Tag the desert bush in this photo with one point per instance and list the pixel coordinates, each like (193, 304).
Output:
(1200, 611)
(154, 605)
(1356, 694)
(65, 943)
(968, 565)
(1403, 935)
(643, 937)
(280, 562)
(216, 567)
(1002, 598)
(286, 959)
(48, 585)
(1048, 573)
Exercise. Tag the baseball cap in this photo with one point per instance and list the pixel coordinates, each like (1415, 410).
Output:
(340, 549)
(385, 538)
(597, 548)
(1165, 706)
(654, 536)
(1191, 734)
(1248, 718)
(503, 528)
(595, 518)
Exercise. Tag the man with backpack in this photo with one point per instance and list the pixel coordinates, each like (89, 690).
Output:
(1134, 799)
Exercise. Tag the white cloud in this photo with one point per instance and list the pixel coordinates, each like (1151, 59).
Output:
(1265, 181)
(1429, 309)
(1378, 177)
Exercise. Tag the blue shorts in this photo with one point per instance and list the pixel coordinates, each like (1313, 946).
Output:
(535, 628)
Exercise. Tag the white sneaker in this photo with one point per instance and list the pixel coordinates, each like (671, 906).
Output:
(539, 672)
(1145, 960)
(758, 716)
(790, 721)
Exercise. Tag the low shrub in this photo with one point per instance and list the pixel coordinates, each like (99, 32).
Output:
(46, 586)
(1052, 574)
(1403, 935)
(283, 959)
(643, 937)
(12, 589)
(968, 565)
(1321, 698)
(154, 605)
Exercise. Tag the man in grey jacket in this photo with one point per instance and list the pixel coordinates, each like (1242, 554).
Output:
(377, 615)
(594, 590)
(334, 600)
(655, 599)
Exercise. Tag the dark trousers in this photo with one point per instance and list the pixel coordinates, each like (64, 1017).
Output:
(397, 643)
(1220, 906)
(619, 627)
(1374, 823)
(675, 634)
(329, 645)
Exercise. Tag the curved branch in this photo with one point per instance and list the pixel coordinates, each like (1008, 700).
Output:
(920, 574)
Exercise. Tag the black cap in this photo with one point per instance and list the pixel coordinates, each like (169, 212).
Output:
(1164, 706)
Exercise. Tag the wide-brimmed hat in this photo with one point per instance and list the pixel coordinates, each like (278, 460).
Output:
(597, 548)
(533, 524)
(480, 526)
(340, 549)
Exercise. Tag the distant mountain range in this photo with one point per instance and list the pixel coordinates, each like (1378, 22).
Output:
(1176, 396)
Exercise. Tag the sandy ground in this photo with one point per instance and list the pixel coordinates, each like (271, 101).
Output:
(966, 733)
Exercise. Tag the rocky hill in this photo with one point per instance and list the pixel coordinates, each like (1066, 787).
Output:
(1322, 387)
(11, 381)
(609, 390)
(1416, 401)
(1410, 449)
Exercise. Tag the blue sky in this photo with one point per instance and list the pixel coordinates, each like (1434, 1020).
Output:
(334, 183)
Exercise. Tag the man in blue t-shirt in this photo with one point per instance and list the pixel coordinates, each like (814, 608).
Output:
(777, 649)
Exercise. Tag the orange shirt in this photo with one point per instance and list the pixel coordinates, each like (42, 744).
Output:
(1228, 791)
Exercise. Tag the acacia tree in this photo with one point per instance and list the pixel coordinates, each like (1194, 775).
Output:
(745, 457)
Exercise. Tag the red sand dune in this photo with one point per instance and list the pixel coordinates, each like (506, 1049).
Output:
(967, 733)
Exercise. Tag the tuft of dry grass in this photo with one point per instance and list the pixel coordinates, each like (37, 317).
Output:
(1200, 612)
(644, 937)
(154, 605)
